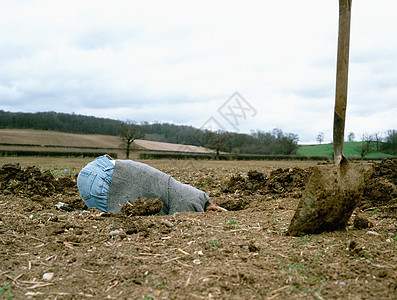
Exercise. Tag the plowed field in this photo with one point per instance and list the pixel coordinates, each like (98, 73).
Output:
(52, 251)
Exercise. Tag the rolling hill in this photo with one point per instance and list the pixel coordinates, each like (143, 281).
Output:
(35, 140)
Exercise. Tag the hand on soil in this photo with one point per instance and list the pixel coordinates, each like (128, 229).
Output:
(214, 207)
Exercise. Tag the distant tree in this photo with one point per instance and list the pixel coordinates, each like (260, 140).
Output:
(290, 143)
(129, 132)
(377, 138)
(351, 137)
(367, 145)
(59, 122)
(320, 137)
(390, 142)
(5, 119)
(216, 140)
(275, 142)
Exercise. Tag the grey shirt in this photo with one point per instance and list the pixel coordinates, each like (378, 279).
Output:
(132, 180)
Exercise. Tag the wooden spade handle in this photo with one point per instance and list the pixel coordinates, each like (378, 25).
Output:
(342, 71)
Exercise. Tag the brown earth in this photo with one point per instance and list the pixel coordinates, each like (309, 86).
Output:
(56, 138)
(53, 248)
(29, 139)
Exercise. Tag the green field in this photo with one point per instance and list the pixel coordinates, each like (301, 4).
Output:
(350, 149)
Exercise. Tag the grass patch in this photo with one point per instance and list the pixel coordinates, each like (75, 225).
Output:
(217, 243)
(5, 292)
(350, 149)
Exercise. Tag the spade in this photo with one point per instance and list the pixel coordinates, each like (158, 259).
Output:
(333, 190)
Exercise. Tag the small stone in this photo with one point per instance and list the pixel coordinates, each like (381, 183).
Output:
(372, 233)
(168, 224)
(118, 232)
(390, 234)
(33, 294)
(197, 261)
(48, 276)
(157, 293)
(342, 283)
(249, 185)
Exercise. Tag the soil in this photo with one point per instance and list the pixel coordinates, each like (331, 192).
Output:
(142, 207)
(53, 247)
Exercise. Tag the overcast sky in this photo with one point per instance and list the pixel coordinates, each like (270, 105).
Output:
(181, 62)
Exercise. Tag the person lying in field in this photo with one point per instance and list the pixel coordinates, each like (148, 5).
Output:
(108, 184)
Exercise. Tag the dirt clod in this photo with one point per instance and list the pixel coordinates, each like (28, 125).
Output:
(31, 181)
(362, 222)
(381, 188)
(282, 182)
(142, 207)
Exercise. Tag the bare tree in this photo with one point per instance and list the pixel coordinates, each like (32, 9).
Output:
(129, 132)
(320, 137)
(216, 140)
(366, 145)
(377, 138)
(351, 137)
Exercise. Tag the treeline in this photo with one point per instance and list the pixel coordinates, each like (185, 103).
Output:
(258, 142)
(376, 142)
(59, 122)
